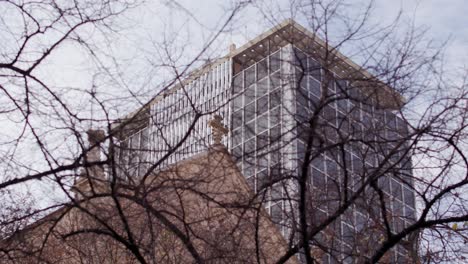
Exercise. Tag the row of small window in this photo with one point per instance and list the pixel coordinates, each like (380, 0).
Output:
(167, 113)
(351, 231)
(333, 184)
(308, 70)
(328, 197)
(257, 72)
(309, 95)
(267, 181)
(336, 87)
(306, 65)
(396, 257)
(250, 164)
(327, 172)
(253, 124)
(188, 148)
(255, 109)
(330, 161)
(311, 90)
(356, 123)
(357, 219)
(368, 209)
(210, 82)
(267, 87)
(307, 103)
(206, 91)
(252, 141)
(339, 252)
(170, 133)
(377, 155)
(361, 159)
(344, 131)
(397, 189)
(369, 242)
(270, 191)
(177, 126)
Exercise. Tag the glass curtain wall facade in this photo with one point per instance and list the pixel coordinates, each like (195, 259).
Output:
(175, 125)
(273, 102)
(268, 105)
(259, 123)
(353, 142)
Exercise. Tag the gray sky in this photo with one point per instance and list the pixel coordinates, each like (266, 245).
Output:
(445, 19)
(144, 30)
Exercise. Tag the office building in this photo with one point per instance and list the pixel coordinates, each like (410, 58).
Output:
(284, 96)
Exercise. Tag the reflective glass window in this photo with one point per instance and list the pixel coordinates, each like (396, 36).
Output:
(402, 127)
(275, 80)
(396, 189)
(409, 213)
(249, 76)
(302, 81)
(300, 60)
(237, 136)
(275, 98)
(262, 69)
(276, 213)
(249, 94)
(390, 120)
(237, 119)
(249, 146)
(262, 105)
(275, 133)
(249, 130)
(302, 100)
(249, 112)
(275, 116)
(237, 152)
(262, 179)
(262, 122)
(318, 178)
(314, 86)
(237, 103)
(262, 87)
(275, 61)
(408, 197)
(318, 162)
(341, 86)
(315, 69)
(249, 169)
(276, 192)
(262, 140)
